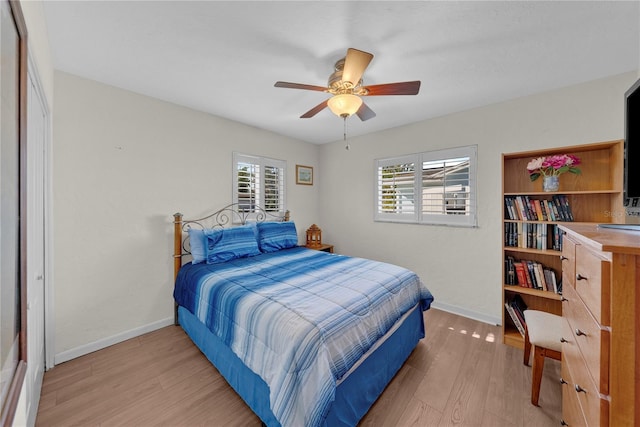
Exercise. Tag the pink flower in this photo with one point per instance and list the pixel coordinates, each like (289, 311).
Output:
(553, 165)
(555, 162)
(535, 164)
(572, 160)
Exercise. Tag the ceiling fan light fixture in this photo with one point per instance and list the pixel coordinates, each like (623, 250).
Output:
(344, 105)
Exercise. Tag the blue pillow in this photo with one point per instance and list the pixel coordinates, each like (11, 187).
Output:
(196, 241)
(226, 244)
(273, 236)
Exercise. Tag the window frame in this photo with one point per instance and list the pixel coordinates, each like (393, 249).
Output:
(409, 217)
(261, 162)
(418, 216)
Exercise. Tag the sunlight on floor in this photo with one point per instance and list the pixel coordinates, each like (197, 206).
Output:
(489, 338)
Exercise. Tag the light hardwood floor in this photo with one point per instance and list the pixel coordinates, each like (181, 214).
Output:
(460, 374)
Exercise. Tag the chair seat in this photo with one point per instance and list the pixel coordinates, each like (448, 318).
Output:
(543, 332)
(545, 329)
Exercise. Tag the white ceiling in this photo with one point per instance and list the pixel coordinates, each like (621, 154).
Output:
(223, 57)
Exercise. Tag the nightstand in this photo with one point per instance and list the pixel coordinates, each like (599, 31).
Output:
(322, 247)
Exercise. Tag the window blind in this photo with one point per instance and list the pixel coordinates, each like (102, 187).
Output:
(441, 190)
(259, 182)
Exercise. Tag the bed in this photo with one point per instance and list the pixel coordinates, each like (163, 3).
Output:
(305, 337)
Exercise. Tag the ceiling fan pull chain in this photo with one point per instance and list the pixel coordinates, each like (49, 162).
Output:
(347, 147)
(345, 127)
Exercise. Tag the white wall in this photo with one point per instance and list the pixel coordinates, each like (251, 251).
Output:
(461, 266)
(123, 165)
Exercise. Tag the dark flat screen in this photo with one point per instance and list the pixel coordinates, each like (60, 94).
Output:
(632, 142)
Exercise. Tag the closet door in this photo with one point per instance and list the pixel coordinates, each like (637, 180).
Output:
(36, 138)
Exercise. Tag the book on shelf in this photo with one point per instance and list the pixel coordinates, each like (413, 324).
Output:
(510, 271)
(552, 210)
(531, 274)
(556, 238)
(543, 210)
(541, 236)
(521, 275)
(561, 201)
(519, 307)
(525, 208)
(509, 208)
(538, 210)
(537, 277)
(514, 318)
(516, 307)
(552, 281)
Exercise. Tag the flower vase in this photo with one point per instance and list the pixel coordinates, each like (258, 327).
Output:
(551, 183)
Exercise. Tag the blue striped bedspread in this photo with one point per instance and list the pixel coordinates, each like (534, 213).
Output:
(299, 318)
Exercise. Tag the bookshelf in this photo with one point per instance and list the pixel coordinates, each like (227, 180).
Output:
(594, 196)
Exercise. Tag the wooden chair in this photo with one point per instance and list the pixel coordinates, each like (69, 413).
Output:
(543, 330)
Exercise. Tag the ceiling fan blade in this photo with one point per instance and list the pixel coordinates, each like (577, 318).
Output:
(402, 88)
(355, 63)
(315, 110)
(365, 113)
(300, 86)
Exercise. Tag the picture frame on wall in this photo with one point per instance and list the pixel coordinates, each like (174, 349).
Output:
(304, 175)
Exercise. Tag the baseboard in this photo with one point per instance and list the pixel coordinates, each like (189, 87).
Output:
(109, 341)
(481, 317)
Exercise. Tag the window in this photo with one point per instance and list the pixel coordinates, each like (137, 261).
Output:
(259, 182)
(434, 187)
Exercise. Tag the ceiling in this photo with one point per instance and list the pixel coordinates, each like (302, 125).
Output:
(223, 57)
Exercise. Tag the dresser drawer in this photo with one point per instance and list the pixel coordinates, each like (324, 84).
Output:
(592, 340)
(592, 283)
(568, 262)
(571, 412)
(595, 406)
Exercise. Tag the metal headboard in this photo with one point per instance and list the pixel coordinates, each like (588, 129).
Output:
(233, 214)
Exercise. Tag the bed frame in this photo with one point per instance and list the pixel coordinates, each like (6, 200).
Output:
(354, 395)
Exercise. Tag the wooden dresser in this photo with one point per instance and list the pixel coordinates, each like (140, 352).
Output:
(601, 300)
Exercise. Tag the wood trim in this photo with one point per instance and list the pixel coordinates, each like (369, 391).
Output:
(624, 383)
(636, 338)
(177, 256)
(177, 244)
(562, 150)
(24, 79)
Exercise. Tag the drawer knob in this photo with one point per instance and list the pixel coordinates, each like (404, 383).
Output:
(563, 258)
(562, 381)
(563, 340)
(580, 389)
(563, 423)
(579, 332)
(580, 277)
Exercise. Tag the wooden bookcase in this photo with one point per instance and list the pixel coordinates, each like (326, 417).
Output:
(594, 196)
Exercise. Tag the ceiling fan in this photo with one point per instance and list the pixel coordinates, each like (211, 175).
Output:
(345, 84)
